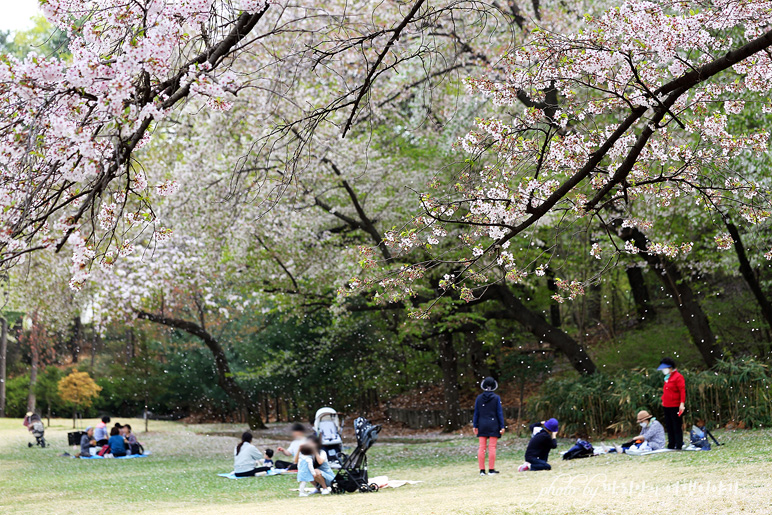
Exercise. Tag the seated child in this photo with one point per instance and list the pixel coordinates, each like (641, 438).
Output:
(699, 436)
(268, 460)
(313, 466)
(544, 439)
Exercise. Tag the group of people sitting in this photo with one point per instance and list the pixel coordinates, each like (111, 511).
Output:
(115, 442)
(308, 459)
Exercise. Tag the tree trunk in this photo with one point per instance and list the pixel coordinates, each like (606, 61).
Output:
(449, 365)
(640, 293)
(520, 407)
(74, 416)
(3, 354)
(540, 328)
(224, 375)
(594, 305)
(477, 358)
(129, 345)
(33, 377)
(76, 338)
(554, 306)
(748, 274)
(93, 348)
(694, 317)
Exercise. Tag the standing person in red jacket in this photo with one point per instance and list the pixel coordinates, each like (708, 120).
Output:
(673, 398)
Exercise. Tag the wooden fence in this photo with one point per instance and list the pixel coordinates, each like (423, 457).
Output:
(422, 419)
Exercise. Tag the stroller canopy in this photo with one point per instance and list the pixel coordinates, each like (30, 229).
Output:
(366, 433)
(327, 426)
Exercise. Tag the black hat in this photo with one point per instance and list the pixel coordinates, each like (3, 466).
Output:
(489, 384)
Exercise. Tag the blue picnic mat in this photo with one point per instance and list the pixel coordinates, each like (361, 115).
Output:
(130, 456)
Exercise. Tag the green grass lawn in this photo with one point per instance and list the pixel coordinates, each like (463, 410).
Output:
(180, 477)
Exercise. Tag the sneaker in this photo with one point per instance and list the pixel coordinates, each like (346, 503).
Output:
(525, 467)
(315, 491)
(326, 491)
(303, 494)
(482, 473)
(619, 449)
(492, 471)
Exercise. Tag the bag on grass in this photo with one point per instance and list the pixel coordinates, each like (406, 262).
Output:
(699, 438)
(581, 449)
(104, 450)
(136, 448)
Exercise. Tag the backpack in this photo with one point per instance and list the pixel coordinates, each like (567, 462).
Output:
(104, 450)
(581, 449)
(698, 438)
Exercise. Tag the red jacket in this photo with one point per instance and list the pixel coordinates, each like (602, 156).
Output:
(674, 390)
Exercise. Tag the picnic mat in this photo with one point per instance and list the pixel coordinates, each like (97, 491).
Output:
(272, 472)
(385, 482)
(632, 452)
(130, 456)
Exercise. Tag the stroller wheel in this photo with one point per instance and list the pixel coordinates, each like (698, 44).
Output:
(373, 487)
(29, 444)
(43, 443)
(364, 488)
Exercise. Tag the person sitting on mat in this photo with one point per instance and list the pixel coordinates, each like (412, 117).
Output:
(313, 466)
(87, 442)
(101, 433)
(544, 439)
(135, 447)
(652, 432)
(488, 423)
(268, 460)
(298, 439)
(246, 456)
(117, 443)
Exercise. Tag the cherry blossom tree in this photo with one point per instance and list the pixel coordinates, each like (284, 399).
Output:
(633, 109)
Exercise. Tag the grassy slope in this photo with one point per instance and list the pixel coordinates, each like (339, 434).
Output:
(181, 478)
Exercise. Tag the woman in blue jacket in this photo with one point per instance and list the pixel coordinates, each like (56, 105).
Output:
(488, 424)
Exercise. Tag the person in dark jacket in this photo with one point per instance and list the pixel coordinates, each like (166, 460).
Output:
(544, 439)
(673, 399)
(488, 423)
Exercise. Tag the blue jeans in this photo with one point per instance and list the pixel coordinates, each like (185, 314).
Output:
(537, 464)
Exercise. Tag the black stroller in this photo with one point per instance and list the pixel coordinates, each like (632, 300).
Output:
(352, 475)
(35, 426)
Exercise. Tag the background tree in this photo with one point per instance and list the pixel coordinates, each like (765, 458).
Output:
(79, 390)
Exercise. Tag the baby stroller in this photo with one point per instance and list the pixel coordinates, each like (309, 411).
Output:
(35, 426)
(327, 427)
(353, 473)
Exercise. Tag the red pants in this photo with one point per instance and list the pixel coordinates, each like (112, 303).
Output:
(490, 442)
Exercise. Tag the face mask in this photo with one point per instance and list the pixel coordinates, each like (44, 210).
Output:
(643, 424)
(666, 371)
